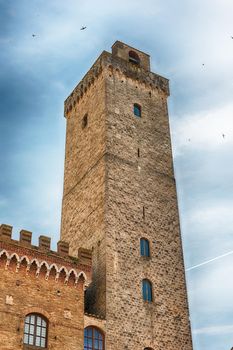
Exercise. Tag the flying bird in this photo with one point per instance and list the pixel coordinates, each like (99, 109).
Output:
(223, 135)
(33, 35)
(82, 28)
(203, 64)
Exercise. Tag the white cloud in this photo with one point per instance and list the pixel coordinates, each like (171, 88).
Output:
(204, 131)
(214, 330)
(210, 216)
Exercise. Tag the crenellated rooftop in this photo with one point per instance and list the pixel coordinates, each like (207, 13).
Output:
(116, 63)
(40, 258)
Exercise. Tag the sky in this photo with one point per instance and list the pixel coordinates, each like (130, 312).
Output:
(190, 42)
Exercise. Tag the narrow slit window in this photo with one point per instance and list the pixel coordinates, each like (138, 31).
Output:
(147, 290)
(137, 110)
(85, 121)
(144, 247)
(143, 212)
(138, 152)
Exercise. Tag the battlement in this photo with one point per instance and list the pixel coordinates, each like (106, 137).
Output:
(41, 257)
(115, 63)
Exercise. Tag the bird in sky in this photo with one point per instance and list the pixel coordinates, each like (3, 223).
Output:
(82, 28)
(33, 35)
(223, 135)
(203, 64)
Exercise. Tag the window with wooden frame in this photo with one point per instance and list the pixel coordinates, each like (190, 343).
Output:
(93, 339)
(35, 331)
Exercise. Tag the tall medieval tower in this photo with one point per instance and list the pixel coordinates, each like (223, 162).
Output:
(120, 201)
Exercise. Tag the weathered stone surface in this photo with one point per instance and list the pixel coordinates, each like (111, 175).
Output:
(119, 186)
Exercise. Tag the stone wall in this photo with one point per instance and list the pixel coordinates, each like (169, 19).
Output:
(84, 184)
(141, 202)
(119, 187)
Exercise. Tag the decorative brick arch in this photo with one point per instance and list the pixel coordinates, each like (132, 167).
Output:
(37, 310)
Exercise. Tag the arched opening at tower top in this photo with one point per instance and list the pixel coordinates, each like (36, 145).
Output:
(133, 57)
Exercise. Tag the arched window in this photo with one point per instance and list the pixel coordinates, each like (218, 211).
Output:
(137, 110)
(35, 330)
(93, 339)
(134, 58)
(147, 290)
(144, 247)
(148, 349)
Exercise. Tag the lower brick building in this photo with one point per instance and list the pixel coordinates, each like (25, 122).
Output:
(42, 294)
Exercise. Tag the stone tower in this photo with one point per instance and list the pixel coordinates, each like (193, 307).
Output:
(119, 187)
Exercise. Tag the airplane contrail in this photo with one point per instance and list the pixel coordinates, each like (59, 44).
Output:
(208, 261)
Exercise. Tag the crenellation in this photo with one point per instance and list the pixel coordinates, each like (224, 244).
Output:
(87, 81)
(85, 256)
(44, 243)
(5, 232)
(25, 237)
(22, 254)
(115, 64)
(63, 248)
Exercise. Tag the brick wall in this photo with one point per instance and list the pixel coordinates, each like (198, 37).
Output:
(35, 280)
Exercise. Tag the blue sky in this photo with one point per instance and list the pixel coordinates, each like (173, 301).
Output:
(190, 43)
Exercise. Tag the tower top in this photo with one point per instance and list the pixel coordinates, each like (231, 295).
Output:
(132, 63)
(129, 53)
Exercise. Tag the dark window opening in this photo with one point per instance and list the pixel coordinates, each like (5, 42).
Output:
(147, 290)
(138, 152)
(35, 331)
(143, 212)
(137, 110)
(85, 121)
(134, 58)
(150, 93)
(93, 339)
(144, 247)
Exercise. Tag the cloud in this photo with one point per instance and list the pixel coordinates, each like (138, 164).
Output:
(205, 131)
(210, 293)
(38, 73)
(212, 216)
(226, 329)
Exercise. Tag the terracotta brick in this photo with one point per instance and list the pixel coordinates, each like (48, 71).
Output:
(35, 280)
